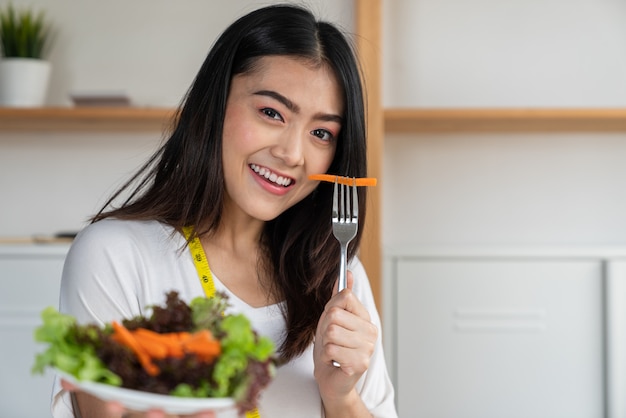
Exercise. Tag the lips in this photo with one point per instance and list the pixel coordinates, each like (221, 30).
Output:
(270, 176)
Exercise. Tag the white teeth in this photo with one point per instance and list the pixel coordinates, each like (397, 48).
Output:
(273, 177)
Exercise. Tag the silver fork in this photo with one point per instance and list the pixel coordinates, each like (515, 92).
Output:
(345, 224)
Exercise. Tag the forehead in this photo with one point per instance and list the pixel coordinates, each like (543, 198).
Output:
(286, 65)
(295, 77)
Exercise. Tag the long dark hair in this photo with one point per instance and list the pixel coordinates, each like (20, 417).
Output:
(183, 183)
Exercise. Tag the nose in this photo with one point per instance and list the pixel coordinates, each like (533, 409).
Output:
(289, 147)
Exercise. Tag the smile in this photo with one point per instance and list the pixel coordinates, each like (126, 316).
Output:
(271, 176)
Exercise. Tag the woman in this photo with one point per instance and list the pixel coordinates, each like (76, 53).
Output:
(277, 99)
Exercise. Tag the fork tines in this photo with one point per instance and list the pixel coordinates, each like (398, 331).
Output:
(345, 203)
(345, 220)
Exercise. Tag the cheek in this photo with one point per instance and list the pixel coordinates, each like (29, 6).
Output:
(238, 135)
(322, 161)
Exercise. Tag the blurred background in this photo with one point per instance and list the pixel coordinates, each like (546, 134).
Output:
(502, 239)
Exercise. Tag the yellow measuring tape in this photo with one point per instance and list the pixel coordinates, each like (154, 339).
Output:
(201, 263)
(206, 279)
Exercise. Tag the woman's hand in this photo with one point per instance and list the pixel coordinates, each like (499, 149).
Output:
(92, 407)
(345, 335)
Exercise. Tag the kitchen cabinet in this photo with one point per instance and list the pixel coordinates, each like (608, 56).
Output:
(515, 333)
(30, 276)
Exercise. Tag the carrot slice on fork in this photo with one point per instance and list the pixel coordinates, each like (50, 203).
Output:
(348, 181)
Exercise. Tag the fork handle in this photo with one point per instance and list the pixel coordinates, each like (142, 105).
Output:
(343, 269)
(343, 277)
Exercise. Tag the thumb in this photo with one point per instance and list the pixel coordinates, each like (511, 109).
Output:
(349, 282)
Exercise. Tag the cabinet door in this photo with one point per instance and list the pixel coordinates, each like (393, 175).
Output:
(499, 338)
(28, 283)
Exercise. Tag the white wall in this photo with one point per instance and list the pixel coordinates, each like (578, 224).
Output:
(504, 189)
(516, 53)
(52, 182)
(489, 189)
(462, 189)
(148, 49)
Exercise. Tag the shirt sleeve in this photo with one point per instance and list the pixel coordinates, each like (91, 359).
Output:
(375, 386)
(99, 282)
(96, 286)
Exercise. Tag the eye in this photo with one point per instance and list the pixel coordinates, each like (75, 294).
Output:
(323, 134)
(271, 113)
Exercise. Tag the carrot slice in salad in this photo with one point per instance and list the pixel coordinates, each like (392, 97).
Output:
(348, 181)
(148, 345)
(168, 344)
(125, 337)
(203, 345)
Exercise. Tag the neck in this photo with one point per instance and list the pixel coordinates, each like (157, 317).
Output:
(233, 254)
(238, 233)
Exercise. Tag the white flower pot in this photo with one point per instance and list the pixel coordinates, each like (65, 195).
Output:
(23, 82)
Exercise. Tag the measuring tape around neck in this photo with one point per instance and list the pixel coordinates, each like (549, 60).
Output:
(201, 263)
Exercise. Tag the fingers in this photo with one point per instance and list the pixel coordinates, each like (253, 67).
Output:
(205, 414)
(155, 413)
(346, 333)
(344, 311)
(115, 408)
(339, 344)
(346, 300)
(352, 351)
(68, 386)
(344, 329)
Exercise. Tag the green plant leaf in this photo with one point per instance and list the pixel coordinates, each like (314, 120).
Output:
(23, 34)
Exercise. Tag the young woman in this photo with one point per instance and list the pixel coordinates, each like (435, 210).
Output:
(277, 99)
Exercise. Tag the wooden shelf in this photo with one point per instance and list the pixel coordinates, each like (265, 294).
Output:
(62, 119)
(396, 120)
(411, 120)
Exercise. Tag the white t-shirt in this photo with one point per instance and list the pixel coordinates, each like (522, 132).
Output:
(116, 269)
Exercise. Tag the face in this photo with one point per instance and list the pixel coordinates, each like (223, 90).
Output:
(282, 122)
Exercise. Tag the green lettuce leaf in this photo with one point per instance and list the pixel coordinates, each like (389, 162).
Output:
(71, 348)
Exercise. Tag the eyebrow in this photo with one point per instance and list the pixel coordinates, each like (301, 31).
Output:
(295, 108)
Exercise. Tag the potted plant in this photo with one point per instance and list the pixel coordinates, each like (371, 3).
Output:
(24, 72)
